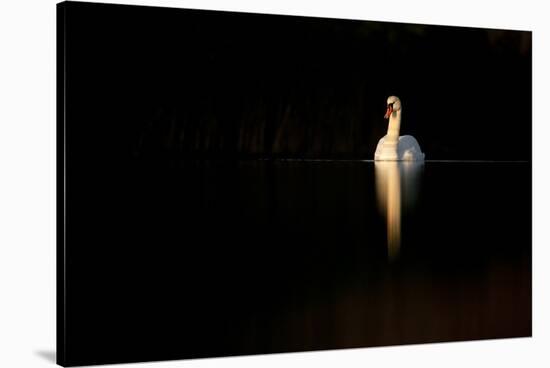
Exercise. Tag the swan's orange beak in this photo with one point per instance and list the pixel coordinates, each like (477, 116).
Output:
(388, 111)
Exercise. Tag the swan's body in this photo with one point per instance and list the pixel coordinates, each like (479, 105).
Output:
(407, 149)
(393, 147)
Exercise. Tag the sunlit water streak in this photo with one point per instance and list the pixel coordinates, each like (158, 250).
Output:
(397, 187)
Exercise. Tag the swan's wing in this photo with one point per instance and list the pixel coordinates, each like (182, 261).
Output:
(409, 149)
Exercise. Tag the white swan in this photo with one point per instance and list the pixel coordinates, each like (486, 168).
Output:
(392, 147)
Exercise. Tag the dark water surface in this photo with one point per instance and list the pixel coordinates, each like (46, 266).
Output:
(212, 258)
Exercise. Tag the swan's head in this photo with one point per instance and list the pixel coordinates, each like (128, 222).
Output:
(394, 104)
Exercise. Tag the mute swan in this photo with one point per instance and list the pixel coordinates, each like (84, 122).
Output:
(392, 147)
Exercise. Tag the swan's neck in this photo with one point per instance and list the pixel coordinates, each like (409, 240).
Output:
(394, 126)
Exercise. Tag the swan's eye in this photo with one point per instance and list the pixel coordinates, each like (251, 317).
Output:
(391, 104)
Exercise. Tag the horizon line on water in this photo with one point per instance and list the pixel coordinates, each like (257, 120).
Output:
(358, 160)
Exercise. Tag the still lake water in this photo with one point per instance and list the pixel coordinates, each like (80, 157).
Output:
(251, 257)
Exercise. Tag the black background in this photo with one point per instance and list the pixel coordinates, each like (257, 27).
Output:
(179, 244)
(191, 83)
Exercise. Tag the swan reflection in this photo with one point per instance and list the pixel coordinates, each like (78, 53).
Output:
(397, 186)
